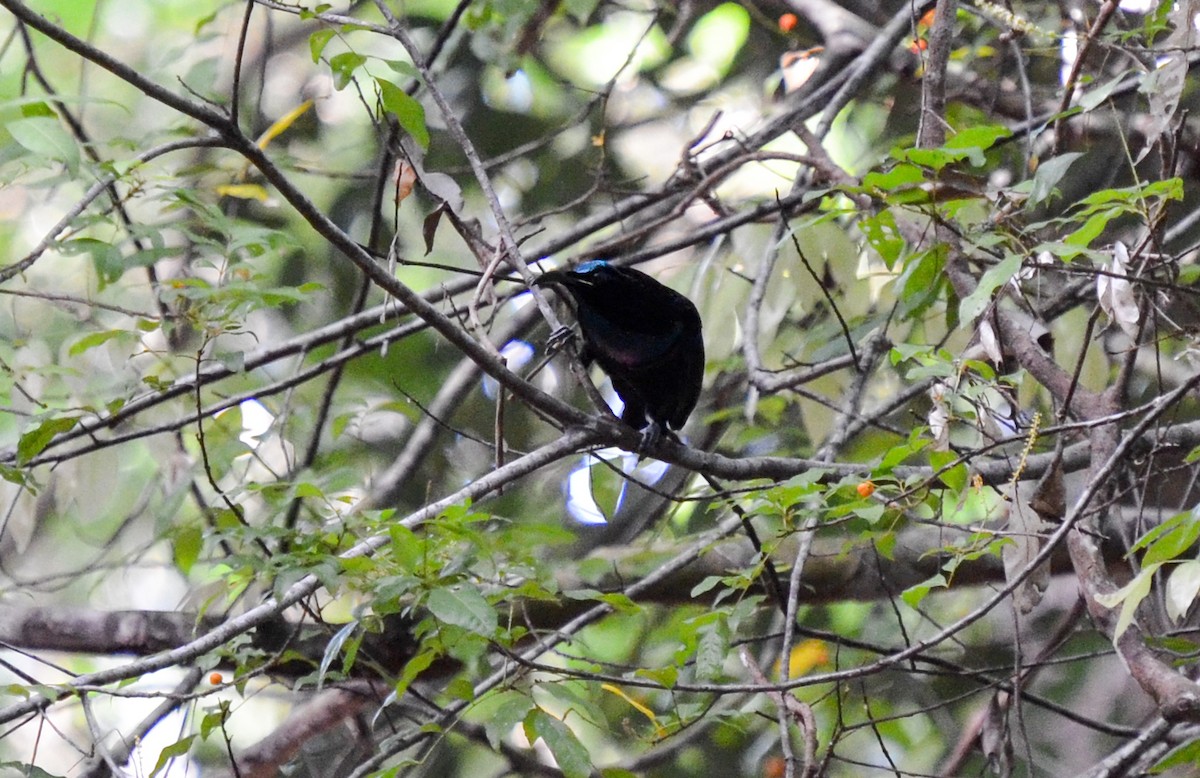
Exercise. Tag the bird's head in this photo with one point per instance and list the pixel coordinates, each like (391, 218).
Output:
(582, 276)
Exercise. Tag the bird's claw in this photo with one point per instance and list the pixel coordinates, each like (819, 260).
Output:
(559, 338)
(650, 436)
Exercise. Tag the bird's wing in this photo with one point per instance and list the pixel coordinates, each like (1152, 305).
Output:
(614, 343)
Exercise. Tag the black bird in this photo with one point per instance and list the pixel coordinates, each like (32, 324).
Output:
(644, 335)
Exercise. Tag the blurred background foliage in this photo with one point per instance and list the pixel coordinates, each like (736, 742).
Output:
(206, 401)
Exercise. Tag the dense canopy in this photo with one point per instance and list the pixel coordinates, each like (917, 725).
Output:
(297, 481)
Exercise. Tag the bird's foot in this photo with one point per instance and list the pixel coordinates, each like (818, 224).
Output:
(559, 338)
(651, 435)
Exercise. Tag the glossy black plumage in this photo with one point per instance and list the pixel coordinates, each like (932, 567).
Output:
(645, 336)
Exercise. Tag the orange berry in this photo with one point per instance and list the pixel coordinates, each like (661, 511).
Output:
(215, 679)
(788, 22)
(866, 489)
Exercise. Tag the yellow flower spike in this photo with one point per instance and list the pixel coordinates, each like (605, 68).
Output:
(282, 123)
(659, 731)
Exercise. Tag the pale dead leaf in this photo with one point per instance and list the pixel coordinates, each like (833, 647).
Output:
(1164, 85)
(1182, 588)
(991, 346)
(1116, 295)
(939, 418)
(1025, 530)
(406, 179)
(1032, 514)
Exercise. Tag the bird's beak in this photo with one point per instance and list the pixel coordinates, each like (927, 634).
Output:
(553, 277)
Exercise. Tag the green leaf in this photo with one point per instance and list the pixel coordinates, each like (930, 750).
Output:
(705, 585)
(1176, 540)
(934, 159)
(46, 137)
(213, 720)
(897, 454)
(566, 749)
(577, 698)
(1092, 228)
(914, 594)
(461, 688)
(333, 649)
(34, 441)
(105, 257)
(177, 749)
(317, 42)
(885, 544)
(981, 137)
(871, 512)
(403, 67)
(717, 37)
(1132, 197)
(1129, 597)
(620, 602)
(1096, 95)
(883, 235)
(38, 108)
(1046, 178)
(464, 607)
(1186, 756)
(187, 543)
(28, 770)
(996, 276)
(92, 340)
(343, 66)
(668, 676)
(955, 477)
(233, 361)
(918, 285)
(414, 667)
(499, 721)
(902, 176)
(407, 110)
(1059, 250)
(711, 651)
